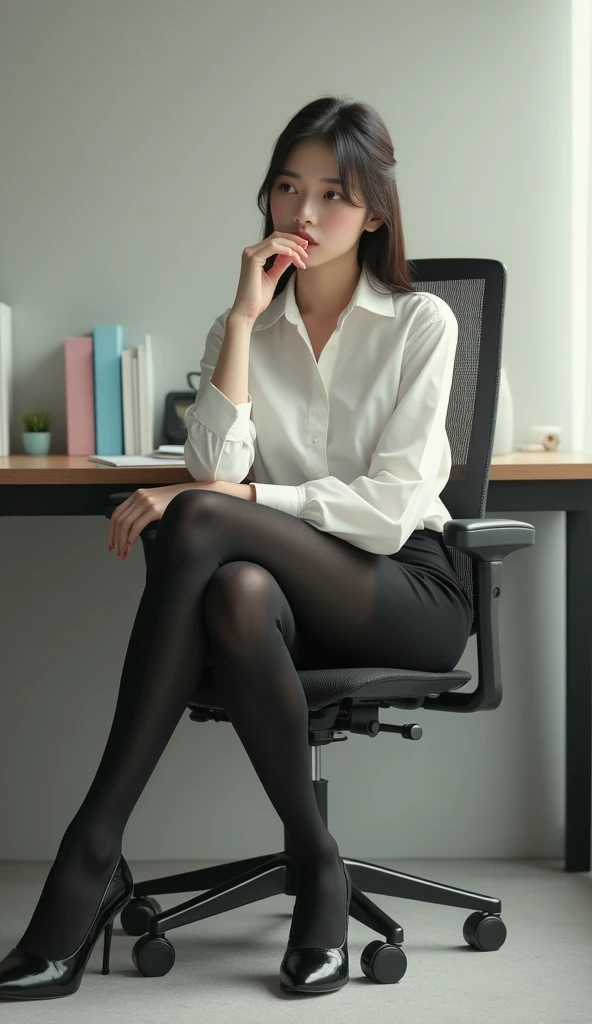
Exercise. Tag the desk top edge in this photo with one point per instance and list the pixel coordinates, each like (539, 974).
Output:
(77, 469)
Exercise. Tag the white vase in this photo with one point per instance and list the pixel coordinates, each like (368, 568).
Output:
(503, 441)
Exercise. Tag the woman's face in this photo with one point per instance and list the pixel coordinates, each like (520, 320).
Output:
(307, 203)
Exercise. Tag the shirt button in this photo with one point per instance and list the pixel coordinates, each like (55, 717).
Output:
(314, 440)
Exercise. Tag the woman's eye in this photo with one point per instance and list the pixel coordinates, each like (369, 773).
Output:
(288, 185)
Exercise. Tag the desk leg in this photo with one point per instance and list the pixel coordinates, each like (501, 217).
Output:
(578, 736)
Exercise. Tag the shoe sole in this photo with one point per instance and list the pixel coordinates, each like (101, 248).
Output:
(314, 991)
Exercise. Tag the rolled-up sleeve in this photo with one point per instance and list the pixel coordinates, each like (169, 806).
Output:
(221, 436)
(410, 464)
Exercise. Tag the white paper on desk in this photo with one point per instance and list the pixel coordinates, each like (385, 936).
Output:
(170, 449)
(134, 460)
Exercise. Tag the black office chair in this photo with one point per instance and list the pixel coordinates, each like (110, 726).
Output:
(344, 700)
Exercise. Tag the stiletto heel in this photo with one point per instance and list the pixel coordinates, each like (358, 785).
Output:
(25, 975)
(107, 947)
(314, 969)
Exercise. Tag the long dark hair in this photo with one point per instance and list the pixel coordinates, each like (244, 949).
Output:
(364, 154)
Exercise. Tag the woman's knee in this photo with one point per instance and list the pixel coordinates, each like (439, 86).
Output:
(189, 505)
(185, 524)
(187, 516)
(237, 604)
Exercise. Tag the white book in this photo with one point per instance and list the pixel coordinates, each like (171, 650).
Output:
(169, 451)
(128, 401)
(6, 374)
(137, 381)
(146, 396)
(135, 402)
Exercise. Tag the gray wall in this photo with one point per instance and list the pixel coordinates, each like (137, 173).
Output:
(135, 135)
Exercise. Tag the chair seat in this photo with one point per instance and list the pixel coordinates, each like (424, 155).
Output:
(326, 686)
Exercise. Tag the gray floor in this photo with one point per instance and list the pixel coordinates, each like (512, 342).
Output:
(226, 967)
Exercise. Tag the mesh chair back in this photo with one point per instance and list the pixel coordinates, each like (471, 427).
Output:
(475, 291)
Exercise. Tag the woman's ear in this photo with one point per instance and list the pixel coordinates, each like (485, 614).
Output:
(374, 223)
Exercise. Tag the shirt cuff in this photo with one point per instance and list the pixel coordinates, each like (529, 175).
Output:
(284, 497)
(222, 416)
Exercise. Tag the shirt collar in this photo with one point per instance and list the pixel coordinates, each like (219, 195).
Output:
(365, 294)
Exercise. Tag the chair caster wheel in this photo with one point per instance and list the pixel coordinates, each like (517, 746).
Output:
(153, 955)
(383, 962)
(484, 931)
(135, 916)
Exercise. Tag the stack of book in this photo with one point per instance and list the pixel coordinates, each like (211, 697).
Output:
(109, 397)
(110, 401)
(109, 394)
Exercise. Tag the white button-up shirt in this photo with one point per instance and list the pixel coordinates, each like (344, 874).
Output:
(355, 444)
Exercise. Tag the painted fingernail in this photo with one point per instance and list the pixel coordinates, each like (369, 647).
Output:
(124, 555)
(111, 546)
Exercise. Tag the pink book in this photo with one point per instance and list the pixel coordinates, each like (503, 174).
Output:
(80, 398)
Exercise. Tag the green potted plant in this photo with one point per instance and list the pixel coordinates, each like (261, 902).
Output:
(36, 435)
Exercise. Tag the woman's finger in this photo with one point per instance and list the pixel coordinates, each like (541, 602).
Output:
(113, 528)
(124, 525)
(111, 535)
(121, 523)
(149, 517)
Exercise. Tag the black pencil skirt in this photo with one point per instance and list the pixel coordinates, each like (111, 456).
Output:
(419, 616)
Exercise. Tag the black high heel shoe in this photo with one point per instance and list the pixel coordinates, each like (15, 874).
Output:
(28, 976)
(315, 969)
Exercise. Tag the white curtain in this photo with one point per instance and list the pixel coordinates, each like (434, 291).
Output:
(581, 224)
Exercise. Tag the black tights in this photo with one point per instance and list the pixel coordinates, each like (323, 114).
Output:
(263, 593)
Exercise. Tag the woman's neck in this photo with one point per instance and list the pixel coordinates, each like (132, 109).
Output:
(324, 292)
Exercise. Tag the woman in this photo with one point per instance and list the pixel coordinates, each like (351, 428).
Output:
(333, 556)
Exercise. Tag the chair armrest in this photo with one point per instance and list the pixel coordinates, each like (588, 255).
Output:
(487, 541)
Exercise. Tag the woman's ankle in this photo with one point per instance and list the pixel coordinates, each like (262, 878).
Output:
(313, 856)
(94, 846)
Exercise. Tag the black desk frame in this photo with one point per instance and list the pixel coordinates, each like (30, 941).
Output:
(511, 497)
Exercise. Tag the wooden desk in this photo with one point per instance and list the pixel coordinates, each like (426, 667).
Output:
(519, 483)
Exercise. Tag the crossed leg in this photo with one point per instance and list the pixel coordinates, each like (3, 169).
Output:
(263, 591)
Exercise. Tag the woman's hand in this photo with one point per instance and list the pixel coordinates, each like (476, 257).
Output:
(256, 285)
(148, 503)
(143, 507)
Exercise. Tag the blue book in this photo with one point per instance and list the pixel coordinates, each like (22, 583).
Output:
(107, 349)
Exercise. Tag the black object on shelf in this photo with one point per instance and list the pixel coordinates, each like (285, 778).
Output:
(176, 404)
